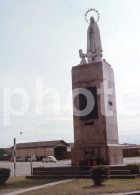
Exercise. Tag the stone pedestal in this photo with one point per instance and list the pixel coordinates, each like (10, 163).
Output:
(96, 135)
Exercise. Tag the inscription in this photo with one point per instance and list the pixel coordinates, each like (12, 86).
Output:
(93, 114)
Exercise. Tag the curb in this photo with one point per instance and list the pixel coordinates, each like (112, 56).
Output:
(125, 193)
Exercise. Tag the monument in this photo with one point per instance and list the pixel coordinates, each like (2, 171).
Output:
(94, 104)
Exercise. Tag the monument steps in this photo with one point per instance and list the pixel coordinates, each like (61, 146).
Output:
(120, 172)
(49, 173)
(70, 168)
(131, 176)
(58, 177)
(116, 172)
(134, 176)
(120, 167)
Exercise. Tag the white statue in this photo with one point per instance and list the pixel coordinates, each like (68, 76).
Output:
(94, 47)
(98, 55)
(93, 37)
(82, 55)
(89, 56)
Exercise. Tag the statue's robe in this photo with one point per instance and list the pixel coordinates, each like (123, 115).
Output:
(93, 38)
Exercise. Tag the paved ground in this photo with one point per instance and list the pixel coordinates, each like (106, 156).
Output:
(23, 168)
(131, 160)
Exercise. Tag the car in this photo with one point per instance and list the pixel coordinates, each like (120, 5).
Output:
(33, 158)
(47, 159)
(20, 159)
(11, 159)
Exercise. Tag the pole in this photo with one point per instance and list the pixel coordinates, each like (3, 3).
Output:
(14, 157)
(31, 166)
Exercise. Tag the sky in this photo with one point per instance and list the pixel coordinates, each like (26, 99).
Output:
(40, 40)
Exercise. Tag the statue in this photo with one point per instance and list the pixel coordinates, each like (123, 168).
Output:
(82, 55)
(93, 37)
(94, 47)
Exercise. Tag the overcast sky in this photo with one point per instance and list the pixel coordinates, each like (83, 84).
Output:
(41, 39)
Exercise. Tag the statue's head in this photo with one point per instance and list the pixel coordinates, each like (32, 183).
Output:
(92, 19)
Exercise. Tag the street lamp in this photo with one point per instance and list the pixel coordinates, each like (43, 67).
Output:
(30, 158)
(14, 157)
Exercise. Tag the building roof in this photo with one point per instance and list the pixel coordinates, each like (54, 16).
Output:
(71, 145)
(128, 146)
(40, 144)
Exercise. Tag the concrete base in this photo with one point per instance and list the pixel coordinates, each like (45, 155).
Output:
(111, 154)
(115, 155)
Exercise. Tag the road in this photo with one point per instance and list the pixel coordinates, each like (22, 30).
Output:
(23, 168)
(131, 160)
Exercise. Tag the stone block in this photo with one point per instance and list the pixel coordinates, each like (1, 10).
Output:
(96, 134)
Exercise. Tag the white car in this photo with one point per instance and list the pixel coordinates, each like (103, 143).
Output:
(51, 159)
(33, 158)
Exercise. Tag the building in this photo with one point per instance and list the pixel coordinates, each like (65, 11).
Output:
(60, 149)
(41, 149)
(131, 150)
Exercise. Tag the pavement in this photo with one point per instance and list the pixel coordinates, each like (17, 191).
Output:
(24, 168)
(131, 160)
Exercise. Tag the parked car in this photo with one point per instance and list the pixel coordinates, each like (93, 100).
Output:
(34, 158)
(11, 159)
(47, 159)
(23, 159)
(20, 159)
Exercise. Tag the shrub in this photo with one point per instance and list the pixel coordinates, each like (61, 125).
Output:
(134, 168)
(99, 174)
(4, 175)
